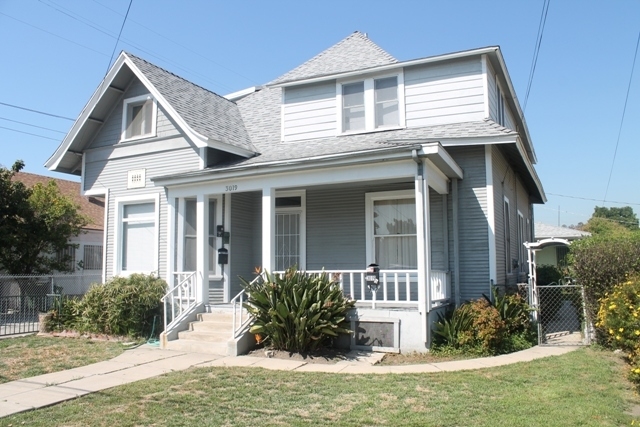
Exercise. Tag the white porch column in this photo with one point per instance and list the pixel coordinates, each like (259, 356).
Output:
(171, 236)
(456, 241)
(268, 228)
(424, 247)
(202, 251)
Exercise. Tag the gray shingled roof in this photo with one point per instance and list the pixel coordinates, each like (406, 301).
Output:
(546, 231)
(355, 52)
(205, 112)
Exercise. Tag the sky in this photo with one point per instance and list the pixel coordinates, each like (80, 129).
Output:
(55, 53)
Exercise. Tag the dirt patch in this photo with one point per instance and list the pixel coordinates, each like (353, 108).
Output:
(415, 358)
(327, 356)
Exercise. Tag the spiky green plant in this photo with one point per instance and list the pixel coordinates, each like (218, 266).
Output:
(296, 312)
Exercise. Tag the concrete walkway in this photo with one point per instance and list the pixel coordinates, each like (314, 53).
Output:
(147, 362)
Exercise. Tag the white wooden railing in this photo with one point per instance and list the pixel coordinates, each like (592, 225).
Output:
(240, 318)
(180, 299)
(440, 287)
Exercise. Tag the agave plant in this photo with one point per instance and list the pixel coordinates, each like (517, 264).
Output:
(296, 312)
(450, 326)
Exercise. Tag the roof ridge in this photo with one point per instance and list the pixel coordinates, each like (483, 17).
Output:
(49, 177)
(177, 76)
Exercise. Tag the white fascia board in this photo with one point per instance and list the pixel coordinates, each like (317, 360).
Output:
(531, 169)
(466, 140)
(234, 96)
(53, 161)
(199, 140)
(442, 160)
(516, 103)
(387, 67)
(342, 159)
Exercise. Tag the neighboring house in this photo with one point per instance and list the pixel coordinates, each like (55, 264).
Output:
(424, 167)
(555, 255)
(85, 249)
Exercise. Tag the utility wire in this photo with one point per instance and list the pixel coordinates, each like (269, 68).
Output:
(37, 111)
(55, 35)
(536, 49)
(29, 124)
(28, 133)
(125, 41)
(179, 44)
(115, 46)
(624, 110)
(593, 200)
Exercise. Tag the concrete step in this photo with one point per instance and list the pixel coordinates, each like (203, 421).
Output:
(205, 336)
(216, 317)
(211, 326)
(193, 346)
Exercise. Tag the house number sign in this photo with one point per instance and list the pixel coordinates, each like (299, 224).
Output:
(233, 187)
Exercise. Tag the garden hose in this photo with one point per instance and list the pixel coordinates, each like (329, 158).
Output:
(153, 341)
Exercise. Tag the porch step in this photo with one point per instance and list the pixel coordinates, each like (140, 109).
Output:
(195, 346)
(205, 336)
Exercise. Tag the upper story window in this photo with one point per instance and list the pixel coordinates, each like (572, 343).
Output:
(371, 104)
(139, 118)
(500, 106)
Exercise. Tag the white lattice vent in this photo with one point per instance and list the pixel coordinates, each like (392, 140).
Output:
(136, 178)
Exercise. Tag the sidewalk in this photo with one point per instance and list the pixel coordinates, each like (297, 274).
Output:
(148, 362)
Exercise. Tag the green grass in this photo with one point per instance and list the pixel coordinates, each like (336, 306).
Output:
(33, 355)
(581, 388)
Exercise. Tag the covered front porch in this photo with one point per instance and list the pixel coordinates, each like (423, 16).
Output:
(398, 211)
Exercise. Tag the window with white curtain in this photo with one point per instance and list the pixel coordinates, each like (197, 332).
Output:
(139, 117)
(371, 104)
(393, 232)
(190, 246)
(138, 239)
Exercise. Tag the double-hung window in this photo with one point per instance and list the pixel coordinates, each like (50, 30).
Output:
(371, 104)
(391, 230)
(137, 237)
(139, 117)
(190, 245)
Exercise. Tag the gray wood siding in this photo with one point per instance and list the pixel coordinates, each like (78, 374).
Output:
(491, 89)
(444, 93)
(245, 252)
(437, 230)
(506, 183)
(309, 112)
(112, 174)
(111, 130)
(472, 222)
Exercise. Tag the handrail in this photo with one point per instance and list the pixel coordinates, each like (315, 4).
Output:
(182, 298)
(237, 303)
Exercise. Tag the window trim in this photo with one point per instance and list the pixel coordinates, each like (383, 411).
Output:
(125, 116)
(370, 198)
(303, 221)
(506, 222)
(121, 202)
(370, 103)
(500, 105)
(521, 239)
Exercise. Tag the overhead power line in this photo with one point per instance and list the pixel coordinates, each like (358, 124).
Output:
(593, 200)
(115, 46)
(29, 133)
(37, 111)
(29, 124)
(624, 110)
(536, 49)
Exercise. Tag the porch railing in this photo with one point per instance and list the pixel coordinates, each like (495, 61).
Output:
(399, 287)
(240, 318)
(180, 300)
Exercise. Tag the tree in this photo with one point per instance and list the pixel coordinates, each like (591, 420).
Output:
(623, 216)
(35, 225)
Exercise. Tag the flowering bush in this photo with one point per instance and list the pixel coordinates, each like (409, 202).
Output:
(619, 322)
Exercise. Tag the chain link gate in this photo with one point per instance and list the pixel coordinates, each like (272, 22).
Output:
(23, 298)
(561, 315)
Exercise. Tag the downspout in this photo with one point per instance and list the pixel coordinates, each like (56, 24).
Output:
(425, 303)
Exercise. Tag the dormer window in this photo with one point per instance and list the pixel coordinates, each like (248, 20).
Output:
(139, 118)
(371, 104)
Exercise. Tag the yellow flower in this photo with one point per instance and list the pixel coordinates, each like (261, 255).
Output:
(637, 332)
(618, 337)
(621, 330)
(610, 331)
(612, 306)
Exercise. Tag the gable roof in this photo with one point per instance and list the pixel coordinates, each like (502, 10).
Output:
(546, 231)
(207, 119)
(92, 207)
(354, 52)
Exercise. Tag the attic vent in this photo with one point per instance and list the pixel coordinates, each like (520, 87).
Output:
(136, 178)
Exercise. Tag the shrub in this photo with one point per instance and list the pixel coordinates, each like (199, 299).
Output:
(619, 322)
(122, 306)
(600, 262)
(547, 275)
(483, 327)
(296, 312)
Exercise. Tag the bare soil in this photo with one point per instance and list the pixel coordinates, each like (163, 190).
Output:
(327, 356)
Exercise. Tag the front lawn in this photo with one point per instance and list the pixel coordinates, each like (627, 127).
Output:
(585, 387)
(33, 355)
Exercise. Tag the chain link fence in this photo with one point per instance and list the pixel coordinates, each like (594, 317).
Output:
(23, 298)
(562, 318)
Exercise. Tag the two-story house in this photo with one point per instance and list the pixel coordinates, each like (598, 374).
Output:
(424, 167)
